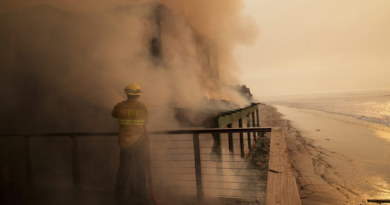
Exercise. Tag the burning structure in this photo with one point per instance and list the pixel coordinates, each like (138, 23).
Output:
(64, 72)
(73, 66)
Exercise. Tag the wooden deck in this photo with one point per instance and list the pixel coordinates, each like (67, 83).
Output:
(281, 184)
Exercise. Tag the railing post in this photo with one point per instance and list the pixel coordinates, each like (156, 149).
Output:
(249, 134)
(258, 119)
(241, 139)
(253, 125)
(231, 145)
(198, 167)
(76, 163)
(29, 162)
(217, 138)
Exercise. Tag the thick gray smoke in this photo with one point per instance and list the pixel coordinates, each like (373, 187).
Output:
(65, 65)
(64, 68)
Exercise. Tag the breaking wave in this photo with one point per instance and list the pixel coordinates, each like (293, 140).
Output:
(371, 107)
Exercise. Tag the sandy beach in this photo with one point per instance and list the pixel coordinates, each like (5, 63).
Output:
(337, 159)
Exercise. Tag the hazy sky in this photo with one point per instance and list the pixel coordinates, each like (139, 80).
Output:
(314, 46)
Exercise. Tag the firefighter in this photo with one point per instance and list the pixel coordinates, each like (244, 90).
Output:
(132, 117)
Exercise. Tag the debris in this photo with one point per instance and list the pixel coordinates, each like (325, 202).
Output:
(379, 200)
(327, 139)
(303, 194)
(318, 130)
(273, 171)
(258, 163)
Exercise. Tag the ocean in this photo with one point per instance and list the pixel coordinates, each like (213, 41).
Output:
(348, 138)
(372, 106)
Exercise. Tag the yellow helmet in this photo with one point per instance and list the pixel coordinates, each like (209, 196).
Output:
(133, 89)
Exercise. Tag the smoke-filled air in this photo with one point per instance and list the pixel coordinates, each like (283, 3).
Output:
(65, 64)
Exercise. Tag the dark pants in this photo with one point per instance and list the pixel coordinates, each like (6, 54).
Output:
(133, 156)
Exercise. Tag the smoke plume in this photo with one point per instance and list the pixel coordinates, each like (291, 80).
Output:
(72, 59)
(65, 65)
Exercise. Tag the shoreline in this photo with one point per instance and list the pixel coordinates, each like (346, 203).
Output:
(322, 148)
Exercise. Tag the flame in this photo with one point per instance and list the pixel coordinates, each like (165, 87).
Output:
(212, 95)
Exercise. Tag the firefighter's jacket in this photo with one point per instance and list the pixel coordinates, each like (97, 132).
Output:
(132, 116)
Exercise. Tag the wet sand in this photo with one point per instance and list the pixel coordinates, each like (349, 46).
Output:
(337, 159)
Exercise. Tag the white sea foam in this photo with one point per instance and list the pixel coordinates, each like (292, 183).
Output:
(373, 106)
